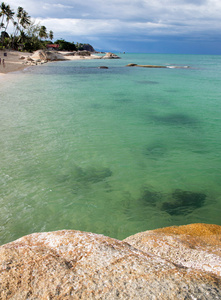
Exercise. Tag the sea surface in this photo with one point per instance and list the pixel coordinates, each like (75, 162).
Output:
(113, 151)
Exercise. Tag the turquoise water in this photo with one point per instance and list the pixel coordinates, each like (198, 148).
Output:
(113, 151)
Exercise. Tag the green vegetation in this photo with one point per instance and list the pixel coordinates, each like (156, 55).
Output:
(67, 46)
(28, 36)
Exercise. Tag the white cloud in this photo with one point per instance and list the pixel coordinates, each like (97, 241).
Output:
(56, 5)
(125, 17)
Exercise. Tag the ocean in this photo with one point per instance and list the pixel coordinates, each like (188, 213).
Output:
(112, 151)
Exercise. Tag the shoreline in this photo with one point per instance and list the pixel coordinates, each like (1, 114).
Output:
(13, 62)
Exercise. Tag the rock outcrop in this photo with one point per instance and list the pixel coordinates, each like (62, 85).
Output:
(82, 53)
(145, 66)
(42, 56)
(196, 246)
(170, 263)
(102, 67)
(47, 55)
(157, 66)
(110, 55)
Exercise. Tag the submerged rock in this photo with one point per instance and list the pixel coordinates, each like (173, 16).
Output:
(178, 119)
(183, 202)
(91, 175)
(155, 150)
(171, 263)
(150, 197)
(82, 177)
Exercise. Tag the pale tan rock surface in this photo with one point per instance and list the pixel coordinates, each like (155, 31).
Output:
(79, 265)
(47, 55)
(195, 246)
(110, 55)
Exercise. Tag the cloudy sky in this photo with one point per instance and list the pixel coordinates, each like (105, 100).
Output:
(151, 26)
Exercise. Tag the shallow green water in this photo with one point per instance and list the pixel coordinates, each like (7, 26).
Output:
(113, 151)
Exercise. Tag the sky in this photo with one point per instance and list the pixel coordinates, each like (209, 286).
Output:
(146, 26)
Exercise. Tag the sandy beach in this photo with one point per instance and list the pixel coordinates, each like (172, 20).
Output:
(11, 60)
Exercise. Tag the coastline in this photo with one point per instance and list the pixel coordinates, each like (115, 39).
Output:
(12, 62)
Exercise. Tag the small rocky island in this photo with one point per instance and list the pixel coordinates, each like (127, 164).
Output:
(170, 263)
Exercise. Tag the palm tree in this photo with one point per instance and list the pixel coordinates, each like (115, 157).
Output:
(23, 21)
(43, 32)
(22, 39)
(9, 16)
(51, 35)
(3, 9)
(23, 18)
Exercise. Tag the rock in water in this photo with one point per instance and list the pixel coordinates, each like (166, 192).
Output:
(110, 55)
(79, 265)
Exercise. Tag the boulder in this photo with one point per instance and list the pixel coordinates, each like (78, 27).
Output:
(82, 53)
(47, 55)
(70, 53)
(29, 59)
(156, 66)
(145, 66)
(110, 55)
(195, 246)
(154, 264)
(131, 65)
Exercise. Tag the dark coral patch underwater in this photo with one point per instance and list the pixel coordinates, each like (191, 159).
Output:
(175, 119)
(178, 202)
(183, 202)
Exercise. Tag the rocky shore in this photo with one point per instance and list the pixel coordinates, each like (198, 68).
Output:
(12, 61)
(170, 263)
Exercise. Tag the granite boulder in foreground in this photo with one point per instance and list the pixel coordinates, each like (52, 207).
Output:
(170, 263)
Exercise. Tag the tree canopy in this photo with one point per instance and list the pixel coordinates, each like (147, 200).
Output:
(28, 36)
